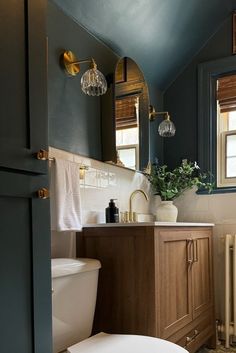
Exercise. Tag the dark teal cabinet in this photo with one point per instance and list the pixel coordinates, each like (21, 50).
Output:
(25, 293)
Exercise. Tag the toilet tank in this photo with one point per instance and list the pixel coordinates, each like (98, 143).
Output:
(74, 291)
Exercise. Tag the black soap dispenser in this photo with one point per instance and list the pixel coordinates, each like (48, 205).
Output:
(112, 212)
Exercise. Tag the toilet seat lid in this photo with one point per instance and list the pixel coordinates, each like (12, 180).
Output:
(113, 343)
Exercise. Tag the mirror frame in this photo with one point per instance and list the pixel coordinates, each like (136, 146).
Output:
(109, 153)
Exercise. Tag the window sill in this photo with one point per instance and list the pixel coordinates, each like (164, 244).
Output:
(222, 190)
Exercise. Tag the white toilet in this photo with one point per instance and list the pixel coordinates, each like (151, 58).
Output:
(74, 290)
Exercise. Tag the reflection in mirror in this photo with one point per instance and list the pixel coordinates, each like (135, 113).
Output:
(131, 115)
(127, 130)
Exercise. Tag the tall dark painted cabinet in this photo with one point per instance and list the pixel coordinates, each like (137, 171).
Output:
(25, 283)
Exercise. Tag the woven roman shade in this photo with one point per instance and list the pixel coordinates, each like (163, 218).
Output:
(126, 112)
(226, 93)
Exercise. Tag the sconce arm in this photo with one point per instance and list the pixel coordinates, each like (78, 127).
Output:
(153, 114)
(80, 61)
(72, 65)
(91, 61)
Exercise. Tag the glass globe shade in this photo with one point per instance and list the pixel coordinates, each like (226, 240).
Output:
(166, 128)
(93, 82)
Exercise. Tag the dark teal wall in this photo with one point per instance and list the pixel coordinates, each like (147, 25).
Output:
(180, 99)
(74, 118)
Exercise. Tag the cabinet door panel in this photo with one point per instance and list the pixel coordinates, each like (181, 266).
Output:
(126, 286)
(25, 296)
(202, 272)
(175, 287)
(16, 275)
(23, 108)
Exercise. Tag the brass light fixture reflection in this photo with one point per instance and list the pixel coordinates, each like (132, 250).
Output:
(166, 127)
(93, 82)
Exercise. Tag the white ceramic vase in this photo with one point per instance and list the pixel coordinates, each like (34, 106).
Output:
(167, 212)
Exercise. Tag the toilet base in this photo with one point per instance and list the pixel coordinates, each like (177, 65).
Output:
(113, 343)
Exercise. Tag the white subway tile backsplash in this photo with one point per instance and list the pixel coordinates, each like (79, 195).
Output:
(112, 179)
(90, 178)
(102, 178)
(104, 181)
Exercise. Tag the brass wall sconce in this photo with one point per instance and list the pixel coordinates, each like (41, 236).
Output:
(166, 127)
(93, 82)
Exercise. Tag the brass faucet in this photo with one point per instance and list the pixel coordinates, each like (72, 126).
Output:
(131, 213)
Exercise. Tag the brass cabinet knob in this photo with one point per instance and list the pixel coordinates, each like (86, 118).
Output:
(190, 339)
(42, 155)
(43, 193)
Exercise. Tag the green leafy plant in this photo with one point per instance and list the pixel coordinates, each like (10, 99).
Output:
(171, 184)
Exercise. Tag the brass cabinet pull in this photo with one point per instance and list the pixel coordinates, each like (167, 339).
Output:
(191, 338)
(43, 193)
(42, 155)
(195, 250)
(189, 251)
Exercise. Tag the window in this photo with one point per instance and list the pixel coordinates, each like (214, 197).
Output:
(226, 150)
(128, 156)
(226, 130)
(217, 121)
(127, 146)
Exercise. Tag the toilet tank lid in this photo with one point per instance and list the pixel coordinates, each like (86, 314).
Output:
(64, 267)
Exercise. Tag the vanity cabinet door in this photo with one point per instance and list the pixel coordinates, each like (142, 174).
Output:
(202, 281)
(126, 287)
(185, 275)
(175, 281)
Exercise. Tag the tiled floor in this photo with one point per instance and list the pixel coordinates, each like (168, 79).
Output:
(220, 349)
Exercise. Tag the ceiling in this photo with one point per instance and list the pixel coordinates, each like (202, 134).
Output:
(162, 36)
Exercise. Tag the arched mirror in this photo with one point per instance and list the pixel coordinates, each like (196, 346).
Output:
(129, 143)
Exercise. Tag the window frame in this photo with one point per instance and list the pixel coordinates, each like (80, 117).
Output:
(208, 73)
(222, 179)
(134, 147)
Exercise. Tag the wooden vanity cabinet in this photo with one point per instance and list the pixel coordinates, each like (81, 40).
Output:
(154, 281)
